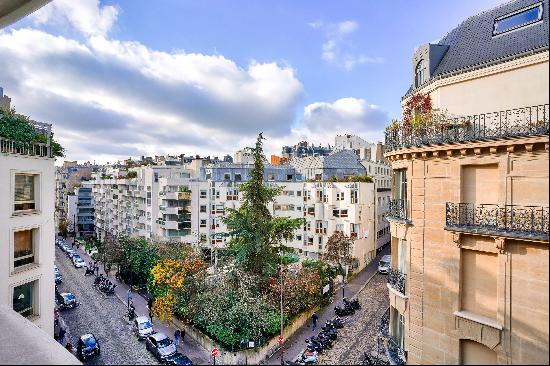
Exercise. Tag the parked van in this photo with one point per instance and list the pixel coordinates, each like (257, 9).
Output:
(384, 264)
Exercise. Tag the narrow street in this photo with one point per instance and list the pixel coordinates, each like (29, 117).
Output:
(370, 297)
(100, 315)
(359, 333)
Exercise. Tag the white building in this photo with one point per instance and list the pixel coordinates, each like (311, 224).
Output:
(244, 156)
(171, 203)
(27, 194)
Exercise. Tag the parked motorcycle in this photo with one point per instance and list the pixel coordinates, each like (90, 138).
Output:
(307, 358)
(354, 304)
(344, 311)
(89, 271)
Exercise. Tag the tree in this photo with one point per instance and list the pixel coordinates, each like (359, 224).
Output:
(255, 233)
(63, 227)
(338, 250)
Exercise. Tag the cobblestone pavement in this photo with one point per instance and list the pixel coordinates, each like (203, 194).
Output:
(359, 333)
(100, 315)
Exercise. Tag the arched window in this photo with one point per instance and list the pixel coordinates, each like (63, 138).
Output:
(420, 73)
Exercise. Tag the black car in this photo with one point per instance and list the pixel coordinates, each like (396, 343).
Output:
(87, 347)
(177, 359)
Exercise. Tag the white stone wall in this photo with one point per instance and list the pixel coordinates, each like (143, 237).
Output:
(41, 219)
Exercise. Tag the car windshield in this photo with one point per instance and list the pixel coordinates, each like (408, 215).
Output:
(89, 341)
(145, 325)
(165, 342)
(384, 263)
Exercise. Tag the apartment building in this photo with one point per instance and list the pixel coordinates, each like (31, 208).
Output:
(173, 203)
(27, 228)
(469, 212)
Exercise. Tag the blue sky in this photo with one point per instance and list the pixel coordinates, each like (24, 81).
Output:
(124, 78)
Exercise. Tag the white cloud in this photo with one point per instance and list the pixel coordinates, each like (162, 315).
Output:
(112, 97)
(86, 16)
(338, 49)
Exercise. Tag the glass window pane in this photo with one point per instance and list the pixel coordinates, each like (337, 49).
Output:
(518, 20)
(22, 299)
(24, 192)
(23, 248)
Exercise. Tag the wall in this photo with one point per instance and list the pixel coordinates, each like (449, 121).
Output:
(43, 219)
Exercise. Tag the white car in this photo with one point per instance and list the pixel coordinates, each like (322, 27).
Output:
(78, 262)
(384, 264)
(143, 327)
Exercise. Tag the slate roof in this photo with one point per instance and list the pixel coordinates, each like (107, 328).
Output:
(472, 42)
(344, 159)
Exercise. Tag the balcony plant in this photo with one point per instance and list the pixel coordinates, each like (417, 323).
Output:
(17, 127)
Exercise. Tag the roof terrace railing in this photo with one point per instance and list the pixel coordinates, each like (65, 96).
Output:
(520, 122)
(42, 149)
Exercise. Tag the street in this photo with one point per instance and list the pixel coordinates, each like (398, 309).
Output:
(359, 333)
(100, 315)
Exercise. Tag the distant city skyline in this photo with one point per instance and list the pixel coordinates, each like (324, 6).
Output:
(119, 78)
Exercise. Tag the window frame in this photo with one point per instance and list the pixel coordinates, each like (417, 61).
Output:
(540, 18)
(35, 229)
(37, 192)
(420, 73)
(35, 280)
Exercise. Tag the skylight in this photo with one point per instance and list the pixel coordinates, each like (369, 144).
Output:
(518, 19)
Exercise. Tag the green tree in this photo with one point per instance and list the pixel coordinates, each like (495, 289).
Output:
(255, 233)
(338, 250)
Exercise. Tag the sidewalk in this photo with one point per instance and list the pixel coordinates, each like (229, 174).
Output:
(297, 343)
(188, 347)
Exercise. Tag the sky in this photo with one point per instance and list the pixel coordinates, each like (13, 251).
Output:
(125, 78)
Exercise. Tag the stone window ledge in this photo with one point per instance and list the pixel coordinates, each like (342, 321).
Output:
(396, 293)
(24, 268)
(478, 319)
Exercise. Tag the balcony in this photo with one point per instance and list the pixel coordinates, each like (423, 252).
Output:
(397, 280)
(398, 211)
(396, 354)
(520, 122)
(526, 222)
(184, 196)
(42, 149)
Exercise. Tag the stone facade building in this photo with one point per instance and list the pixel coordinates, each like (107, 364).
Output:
(469, 212)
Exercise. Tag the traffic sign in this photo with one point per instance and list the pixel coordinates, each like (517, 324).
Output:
(214, 352)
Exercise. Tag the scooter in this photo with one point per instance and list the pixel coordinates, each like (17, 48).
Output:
(307, 358)
(89, 271)
(354, 304)
(345, 311)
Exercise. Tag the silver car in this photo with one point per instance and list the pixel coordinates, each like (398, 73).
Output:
(160, 345)
(143, 327)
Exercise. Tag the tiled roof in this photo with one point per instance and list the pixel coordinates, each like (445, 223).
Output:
(344, 159)
(472, 42)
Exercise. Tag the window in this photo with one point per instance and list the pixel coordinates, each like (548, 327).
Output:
(203, 194)
(289, 176)
(340, 213)
(354, 196)
(203, 223)
(420, 73)
(226, 176)
(299, 237)
(340, 227)
(203, 208)
(299, 193)
(270, 176)
(25, 192)
(23, 248)
(23, 299)
(398, 327)
(238, 176)
(518, 19)
(339, 196)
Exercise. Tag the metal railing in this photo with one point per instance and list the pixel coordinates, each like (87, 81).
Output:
(508, 220)
(396, 354)
(397, 280)
(24, 148)
(397, 209)
(525, 121)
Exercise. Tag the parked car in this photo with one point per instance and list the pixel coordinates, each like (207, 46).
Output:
(160, 346)
(384, 264)
(78, 262)
(71, 253)
(64, 247)
(58, 277)
(66, 300)
(177, 359)
(87, 347)
(143, 327)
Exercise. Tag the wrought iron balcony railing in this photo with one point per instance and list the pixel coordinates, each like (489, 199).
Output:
(526, 121)
(397, 280)
(397, 210)
(507, 220)
(384, 329)
(396, 354)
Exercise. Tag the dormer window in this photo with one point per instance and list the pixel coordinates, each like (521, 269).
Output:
(420, 73)
(518, 19)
